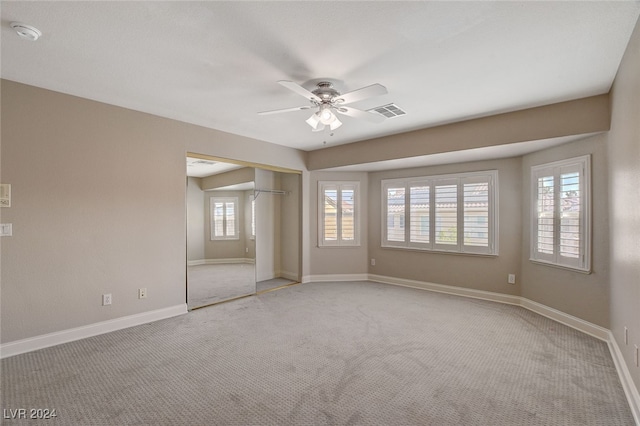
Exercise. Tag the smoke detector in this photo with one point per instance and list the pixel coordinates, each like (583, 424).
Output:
(26, 31)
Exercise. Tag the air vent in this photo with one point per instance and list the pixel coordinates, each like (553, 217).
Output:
(389, 111)
(198, 162)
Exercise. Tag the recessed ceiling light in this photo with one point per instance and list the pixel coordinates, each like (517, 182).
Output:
(26, 31)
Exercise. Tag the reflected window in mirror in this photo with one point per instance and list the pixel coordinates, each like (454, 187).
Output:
(224, 218)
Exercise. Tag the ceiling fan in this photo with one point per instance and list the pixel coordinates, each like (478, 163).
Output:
(328, 100)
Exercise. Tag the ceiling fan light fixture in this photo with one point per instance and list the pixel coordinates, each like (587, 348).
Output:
(314, 120)
(326, 115)
(335, 123)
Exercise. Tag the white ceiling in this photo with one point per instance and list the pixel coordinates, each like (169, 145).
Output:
(216, 64)
(198, 167)
(245, 186)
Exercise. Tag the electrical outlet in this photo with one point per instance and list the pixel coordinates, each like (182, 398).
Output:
(511, 279)
(373, 262)
(142, 293)
(106, 299)
(626, 336)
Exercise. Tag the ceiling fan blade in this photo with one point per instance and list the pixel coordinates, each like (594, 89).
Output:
(300, 90)
(360, 94)
(278, 111)
(358, 113)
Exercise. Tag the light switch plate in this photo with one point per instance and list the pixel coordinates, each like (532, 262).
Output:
(6, 229)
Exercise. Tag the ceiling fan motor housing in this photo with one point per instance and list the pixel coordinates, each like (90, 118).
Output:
(326, 92)
(327, 100)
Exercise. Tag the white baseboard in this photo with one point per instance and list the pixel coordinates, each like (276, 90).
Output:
(566, 319)
(335, 277)
(441, 288)
(293, 276)
(630, 390)
(51, 339)
(221, 261)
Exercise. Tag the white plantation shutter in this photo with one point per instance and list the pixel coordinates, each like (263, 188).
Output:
(394, 225)
(338, 214)
(570, 214)
(224, 218)
(454, 213)
(560, 232)
(419, 217)
(476, 214)
(446, 209)
(230, 216)
(545, 221)
(218, 219)
(330, 199)
(347, 213)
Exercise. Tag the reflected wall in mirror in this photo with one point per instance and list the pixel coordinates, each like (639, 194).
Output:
(278, 229)
(221, 228)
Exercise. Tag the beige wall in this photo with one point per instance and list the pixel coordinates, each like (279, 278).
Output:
(267, 226)
(488, 273)
(290, 226)
(98, 207)
(195, 219)
(233, 177)
(337, 260)
(582, 295)
(577, 117)
(623, 144)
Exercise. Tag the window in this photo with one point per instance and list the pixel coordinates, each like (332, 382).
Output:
(451, 213)
(224, 218)
(560, 226)
(338, 220)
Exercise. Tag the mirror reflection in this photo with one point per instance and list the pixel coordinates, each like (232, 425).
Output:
(243, 230)
(278, 227)
(220, 232)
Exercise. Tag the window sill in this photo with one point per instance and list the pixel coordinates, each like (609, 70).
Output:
(566, 268)
(456, 253)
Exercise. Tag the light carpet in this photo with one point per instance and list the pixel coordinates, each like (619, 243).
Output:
(207, 284)
(356, 353)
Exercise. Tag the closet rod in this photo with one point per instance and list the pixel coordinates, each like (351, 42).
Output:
(257, 192)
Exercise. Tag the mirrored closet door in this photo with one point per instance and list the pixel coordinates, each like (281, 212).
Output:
(243, 230)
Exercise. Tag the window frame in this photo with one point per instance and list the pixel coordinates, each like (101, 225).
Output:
(432, 182)
(339, 186)
(556, 169)
(236, 217)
